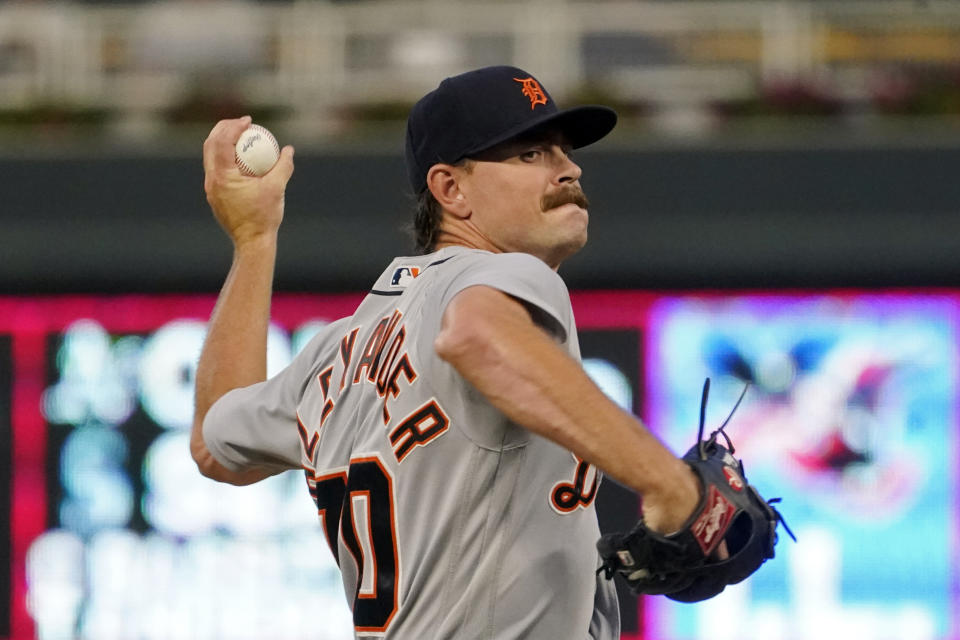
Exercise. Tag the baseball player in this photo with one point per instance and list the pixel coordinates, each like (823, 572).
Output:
(449, 436)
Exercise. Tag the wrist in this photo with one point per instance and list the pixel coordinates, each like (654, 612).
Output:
(255, 243)
(668, 507)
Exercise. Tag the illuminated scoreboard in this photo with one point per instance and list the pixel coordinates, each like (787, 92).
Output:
(111, 533)
(851, 419)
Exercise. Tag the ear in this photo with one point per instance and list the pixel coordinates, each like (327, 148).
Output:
(443, 180)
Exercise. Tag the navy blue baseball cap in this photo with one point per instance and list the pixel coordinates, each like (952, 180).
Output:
(477, 110)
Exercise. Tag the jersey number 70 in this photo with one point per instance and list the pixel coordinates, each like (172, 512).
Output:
(358, 506)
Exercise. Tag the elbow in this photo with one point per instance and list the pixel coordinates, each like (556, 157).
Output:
(202, 458)
(210, 467)
(448, 344)
(460, 341)
(477, 326)
(207, 465)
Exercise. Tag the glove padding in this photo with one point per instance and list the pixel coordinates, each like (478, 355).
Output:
(682, 565)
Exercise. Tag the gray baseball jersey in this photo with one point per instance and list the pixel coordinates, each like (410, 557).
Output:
(447, 520)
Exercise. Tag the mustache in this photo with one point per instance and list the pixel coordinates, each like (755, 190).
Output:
(566, 195)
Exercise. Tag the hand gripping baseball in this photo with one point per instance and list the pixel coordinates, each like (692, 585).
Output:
(246, 207)
(684, 565)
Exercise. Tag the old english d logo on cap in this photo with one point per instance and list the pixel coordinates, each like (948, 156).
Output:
(533, 90)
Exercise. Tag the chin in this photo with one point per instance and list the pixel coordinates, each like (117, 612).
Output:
(578, 235)
(579, 243)
(566, 248)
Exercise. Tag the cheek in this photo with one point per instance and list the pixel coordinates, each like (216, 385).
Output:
(507, 198)
(505, 202)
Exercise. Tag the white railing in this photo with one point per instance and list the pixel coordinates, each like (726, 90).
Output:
(317, 58)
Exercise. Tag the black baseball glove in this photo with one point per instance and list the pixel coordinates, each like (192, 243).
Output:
(683, 565)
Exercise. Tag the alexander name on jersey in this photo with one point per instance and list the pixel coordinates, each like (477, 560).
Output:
(382, 364)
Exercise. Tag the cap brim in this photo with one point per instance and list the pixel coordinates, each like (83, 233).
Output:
(581, 126)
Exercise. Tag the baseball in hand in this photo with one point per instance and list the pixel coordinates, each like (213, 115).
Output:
(257, 151)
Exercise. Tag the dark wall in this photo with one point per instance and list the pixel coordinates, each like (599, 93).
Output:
(660, 219)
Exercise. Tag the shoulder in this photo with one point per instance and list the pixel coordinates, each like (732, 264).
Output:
(492, 268)
(519, 275)
(329, 334)
(317, 351)
(512, 262)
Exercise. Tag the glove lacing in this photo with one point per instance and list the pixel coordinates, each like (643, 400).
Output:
(704, 444)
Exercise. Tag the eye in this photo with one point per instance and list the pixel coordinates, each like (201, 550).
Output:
(530, 155)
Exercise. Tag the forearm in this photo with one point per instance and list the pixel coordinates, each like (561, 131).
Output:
(536, 384)
(539, 386)
(234, 352)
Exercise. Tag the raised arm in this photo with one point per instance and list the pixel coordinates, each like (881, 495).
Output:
(235, 350)
(492, 341)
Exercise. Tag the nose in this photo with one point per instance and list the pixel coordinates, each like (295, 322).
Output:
(567, 170)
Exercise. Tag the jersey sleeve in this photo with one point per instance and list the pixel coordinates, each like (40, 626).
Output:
(256, 426)
(522, 276)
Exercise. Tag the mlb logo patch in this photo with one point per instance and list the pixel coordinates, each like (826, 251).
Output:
(402, 276)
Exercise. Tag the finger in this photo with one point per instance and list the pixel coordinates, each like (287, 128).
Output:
(210, 145)
(283, 169)
(723, 551)
(219, 149)
(225, 149)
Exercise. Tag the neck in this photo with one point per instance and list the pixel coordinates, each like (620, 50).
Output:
(456, 232)
(463, 234)
(450, 239)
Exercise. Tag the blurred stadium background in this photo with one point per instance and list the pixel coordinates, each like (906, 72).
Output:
(778, 204)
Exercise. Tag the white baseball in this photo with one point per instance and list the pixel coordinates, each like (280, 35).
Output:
(257, 151)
